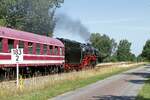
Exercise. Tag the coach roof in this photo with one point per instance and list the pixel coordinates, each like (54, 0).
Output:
(30, 37)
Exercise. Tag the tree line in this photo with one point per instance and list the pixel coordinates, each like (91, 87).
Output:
(37, 16)
(109, 50)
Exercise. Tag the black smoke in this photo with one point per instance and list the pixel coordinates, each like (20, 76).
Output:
(70, 26)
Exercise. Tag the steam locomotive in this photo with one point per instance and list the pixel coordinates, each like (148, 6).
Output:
(78, 55)
(43, 54)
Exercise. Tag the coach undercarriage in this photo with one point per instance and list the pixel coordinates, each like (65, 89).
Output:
(9, 73)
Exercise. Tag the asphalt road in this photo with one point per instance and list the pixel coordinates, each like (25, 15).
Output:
(124, 86)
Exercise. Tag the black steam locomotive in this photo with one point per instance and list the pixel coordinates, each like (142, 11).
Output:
(79, 55)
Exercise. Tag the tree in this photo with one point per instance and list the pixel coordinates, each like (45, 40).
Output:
(146, 51)
(104, 44)
(37, 16)
(4, 7)
(123, 52)
(140, 58)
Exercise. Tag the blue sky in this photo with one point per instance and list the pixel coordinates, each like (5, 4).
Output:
(119, 19)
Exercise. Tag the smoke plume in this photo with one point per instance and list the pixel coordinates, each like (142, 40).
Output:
(74, 28)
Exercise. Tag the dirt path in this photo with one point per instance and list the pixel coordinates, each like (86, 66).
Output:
(123, 86)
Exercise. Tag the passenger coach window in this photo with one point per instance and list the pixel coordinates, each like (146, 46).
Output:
(0, 44)
(51, 49)
(56, 51)
(45, 49)
(30, 47)
(37, 48)
(21, 44)
(10, 44)
(61, 51)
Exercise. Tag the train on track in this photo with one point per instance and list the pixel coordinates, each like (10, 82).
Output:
(43, 55)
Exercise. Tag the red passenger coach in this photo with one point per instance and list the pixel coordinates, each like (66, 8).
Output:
(39, 50)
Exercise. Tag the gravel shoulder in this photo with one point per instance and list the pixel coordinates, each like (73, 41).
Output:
(124, 86)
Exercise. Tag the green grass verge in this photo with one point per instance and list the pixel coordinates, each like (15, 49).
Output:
(62, 87)
(145, 92)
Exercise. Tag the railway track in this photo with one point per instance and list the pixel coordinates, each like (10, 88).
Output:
(41, 74)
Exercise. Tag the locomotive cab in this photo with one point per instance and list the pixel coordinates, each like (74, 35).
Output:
(73, 51)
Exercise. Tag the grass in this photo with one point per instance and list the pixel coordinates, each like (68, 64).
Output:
(50, 86)
(145, 92)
